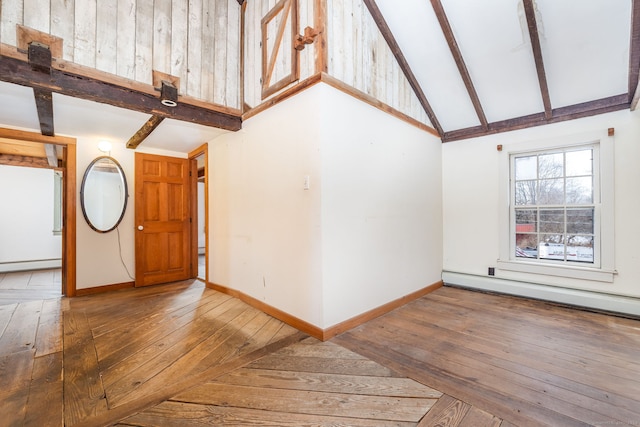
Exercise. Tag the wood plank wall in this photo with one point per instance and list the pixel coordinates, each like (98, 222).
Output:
(360, 57)
(255, 11)
(195, 40)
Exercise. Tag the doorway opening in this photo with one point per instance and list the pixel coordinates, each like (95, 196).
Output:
(45, 158)
(201, 210)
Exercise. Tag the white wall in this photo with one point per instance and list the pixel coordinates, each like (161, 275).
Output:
(366, 232)
(264, 227)
(381, 207)
(98, 254)
(101, 259)
(26, 218)
(471, 187)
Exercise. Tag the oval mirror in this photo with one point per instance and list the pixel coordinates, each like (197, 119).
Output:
(103, 194)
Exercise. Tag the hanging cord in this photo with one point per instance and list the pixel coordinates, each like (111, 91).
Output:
(121, 259)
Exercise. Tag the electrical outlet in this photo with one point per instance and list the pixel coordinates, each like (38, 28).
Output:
(492, 271)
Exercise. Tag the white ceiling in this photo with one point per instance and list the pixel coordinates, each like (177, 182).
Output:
(86, 119)
(585, 48)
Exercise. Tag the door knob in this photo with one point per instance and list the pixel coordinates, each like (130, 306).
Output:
(140, 227)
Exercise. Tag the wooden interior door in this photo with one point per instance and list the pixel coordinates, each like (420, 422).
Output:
(163, 219)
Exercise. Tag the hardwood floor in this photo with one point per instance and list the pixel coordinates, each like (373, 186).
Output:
(22, 286)
(309, 383)
(527, 362)
(181, 354)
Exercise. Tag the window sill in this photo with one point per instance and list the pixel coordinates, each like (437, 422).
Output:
(574, 272)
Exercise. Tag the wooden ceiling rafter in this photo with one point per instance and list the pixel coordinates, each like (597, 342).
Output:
(459, 60)
(577, 111)
(532, 24)
(402, 62)
(634, 55)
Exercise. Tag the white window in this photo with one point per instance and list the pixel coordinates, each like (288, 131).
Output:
(559, 220)
(556, 198)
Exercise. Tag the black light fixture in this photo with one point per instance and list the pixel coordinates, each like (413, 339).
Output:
(168, 94)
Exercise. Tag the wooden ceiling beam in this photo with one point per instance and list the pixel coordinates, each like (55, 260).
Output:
(144, 131)
(39, 56)
(44, 106)
(52, 155)
(17, 160)
(634, 55)
(402, 62)
(530, 14)
(13, 70)
(459, 60)
(585, 109)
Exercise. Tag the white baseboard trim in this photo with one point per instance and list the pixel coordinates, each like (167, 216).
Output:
(42, 264)
(580, 298)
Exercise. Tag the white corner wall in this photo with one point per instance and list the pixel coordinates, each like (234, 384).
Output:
(264, 228)
(471, 189)
(381, 207)
(26, 219)
(366, 232)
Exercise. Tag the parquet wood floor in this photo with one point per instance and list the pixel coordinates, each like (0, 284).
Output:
(181, 355)
(528, 362)
(309, 383)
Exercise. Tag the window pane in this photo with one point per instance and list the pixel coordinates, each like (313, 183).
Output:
(526, 167)
(580, 190)
(580, 248)
(551, 192)
(552, 221)
(550, 166)
(580, 221)
(526, 193)
(526, 245)
(526, 221)
(579, 162)
(551, 247)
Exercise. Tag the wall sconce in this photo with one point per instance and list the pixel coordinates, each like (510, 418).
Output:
(168, 94)
(104, 146)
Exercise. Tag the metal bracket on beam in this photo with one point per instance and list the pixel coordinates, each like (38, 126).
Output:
(168, 94)
(39, 57)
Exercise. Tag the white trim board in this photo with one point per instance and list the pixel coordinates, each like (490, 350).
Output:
(574, 297)
(30, 265)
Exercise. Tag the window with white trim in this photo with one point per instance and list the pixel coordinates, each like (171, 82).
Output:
(555, 206)
(560, 221)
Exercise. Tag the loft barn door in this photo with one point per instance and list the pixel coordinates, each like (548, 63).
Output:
(279, 56)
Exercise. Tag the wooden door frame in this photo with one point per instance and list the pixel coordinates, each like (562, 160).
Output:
(68, 204)
(203, 150)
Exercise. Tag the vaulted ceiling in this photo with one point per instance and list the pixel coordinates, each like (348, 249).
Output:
(477, 66)
(495, 65)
